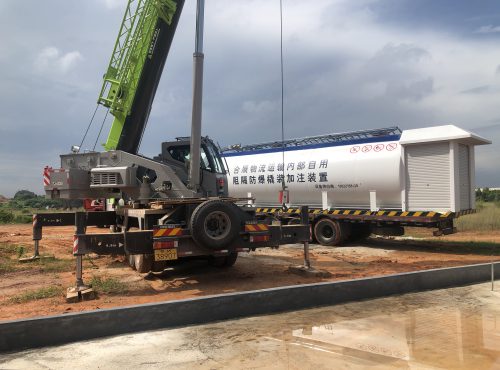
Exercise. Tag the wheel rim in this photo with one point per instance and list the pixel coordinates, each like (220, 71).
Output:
(328, 232)
(217, 225)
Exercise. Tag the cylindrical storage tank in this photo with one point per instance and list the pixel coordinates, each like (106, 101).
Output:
(343, 175)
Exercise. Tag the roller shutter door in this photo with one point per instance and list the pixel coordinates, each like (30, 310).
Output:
(428, 177)
(464, 176)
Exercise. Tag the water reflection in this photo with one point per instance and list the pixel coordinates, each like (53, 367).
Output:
(422, 338)
(456, 328)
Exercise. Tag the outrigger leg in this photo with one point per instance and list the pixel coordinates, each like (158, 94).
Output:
(37, 236)
(306, 269)
(80, 291)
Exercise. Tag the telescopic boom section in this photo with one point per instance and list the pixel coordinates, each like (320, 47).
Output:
(195, 141)
(135, 68)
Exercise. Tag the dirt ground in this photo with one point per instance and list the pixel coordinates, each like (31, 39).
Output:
(38, 289)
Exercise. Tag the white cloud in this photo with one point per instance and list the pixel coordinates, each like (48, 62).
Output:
(488, 29)
(51, 59)
(46, 57)
(68, 60)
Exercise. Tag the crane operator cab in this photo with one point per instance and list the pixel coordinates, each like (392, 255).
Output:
(213, 172)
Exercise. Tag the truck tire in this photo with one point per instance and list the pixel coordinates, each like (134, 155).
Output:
(215, 224)
(143, 262)
(328, 232)
(225, 261)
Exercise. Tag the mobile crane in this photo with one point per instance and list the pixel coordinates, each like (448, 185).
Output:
(177, 200)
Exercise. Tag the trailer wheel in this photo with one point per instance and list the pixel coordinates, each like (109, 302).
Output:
(328, 232)
(143, 262)
(215, 224)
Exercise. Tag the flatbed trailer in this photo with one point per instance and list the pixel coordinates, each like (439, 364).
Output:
(335, 226)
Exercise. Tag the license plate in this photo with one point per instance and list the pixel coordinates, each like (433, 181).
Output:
(165, 254)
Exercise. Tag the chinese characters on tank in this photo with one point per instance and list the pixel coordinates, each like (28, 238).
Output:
(313, 172)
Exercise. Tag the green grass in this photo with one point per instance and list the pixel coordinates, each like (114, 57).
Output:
(487, 218)
(20, 214)
(10, 253)
(444, 246)
(8, 257)
(472, 247)
(108, 285)
(55, 265)
(42, 293)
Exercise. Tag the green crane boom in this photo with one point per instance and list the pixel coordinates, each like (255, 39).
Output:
(136, 43)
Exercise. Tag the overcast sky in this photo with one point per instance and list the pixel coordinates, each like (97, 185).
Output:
(349, 64)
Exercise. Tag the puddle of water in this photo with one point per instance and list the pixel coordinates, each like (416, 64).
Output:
(449, 329)
(421, 338)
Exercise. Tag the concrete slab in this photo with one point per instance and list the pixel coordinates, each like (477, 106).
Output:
(455, 328)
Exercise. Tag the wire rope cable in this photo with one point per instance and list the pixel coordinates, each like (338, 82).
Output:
(88, 128)
(102, 125)
(283, 182)
(282, 95)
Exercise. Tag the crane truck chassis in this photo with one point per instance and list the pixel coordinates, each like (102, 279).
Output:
(218, 231)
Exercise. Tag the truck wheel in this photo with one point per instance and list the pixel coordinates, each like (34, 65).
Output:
(143, 262)
(328, 232)
(225, 261)
(215, 224)
(231, 259)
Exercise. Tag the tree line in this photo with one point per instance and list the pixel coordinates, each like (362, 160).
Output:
(487, 195)
(18, 209)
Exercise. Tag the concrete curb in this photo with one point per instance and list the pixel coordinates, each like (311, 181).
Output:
(54, 330)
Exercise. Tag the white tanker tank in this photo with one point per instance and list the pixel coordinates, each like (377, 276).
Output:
(428, 169)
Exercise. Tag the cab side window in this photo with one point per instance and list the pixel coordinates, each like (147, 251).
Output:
(179, 153)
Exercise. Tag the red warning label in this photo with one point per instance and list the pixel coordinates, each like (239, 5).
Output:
(355, 149)
(390, 147)
(378, 147)
(366, 148)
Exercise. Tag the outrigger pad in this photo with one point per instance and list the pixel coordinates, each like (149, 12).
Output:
(309, 271)
(77, 294)
(36, 258)
(445, 231)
